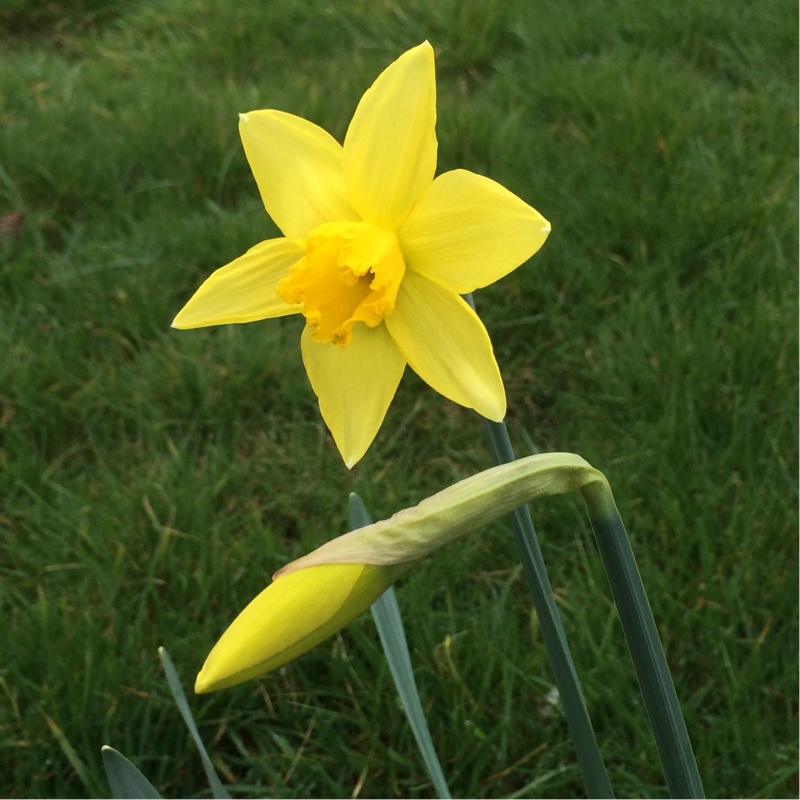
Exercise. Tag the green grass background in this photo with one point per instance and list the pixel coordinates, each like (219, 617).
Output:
(152, 480)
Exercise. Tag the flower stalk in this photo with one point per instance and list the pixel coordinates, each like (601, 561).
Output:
(593, 769)
(647, 653)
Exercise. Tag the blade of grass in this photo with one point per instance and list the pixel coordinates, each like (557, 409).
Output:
(387, 617)
(66, 747)
(647, 653)
(125, 779)
(217, 789)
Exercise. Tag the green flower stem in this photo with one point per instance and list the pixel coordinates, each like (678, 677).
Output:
(593, 769)
(595, 777)
(661, 701)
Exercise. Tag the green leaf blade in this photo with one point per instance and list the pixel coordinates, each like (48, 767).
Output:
(389, 622)
(125, 779)
(217, 789)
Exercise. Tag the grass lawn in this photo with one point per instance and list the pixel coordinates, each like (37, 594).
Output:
(152, 480)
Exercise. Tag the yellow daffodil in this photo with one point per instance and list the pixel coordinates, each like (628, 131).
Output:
(317, 595)
(375, 255)
(292, 615)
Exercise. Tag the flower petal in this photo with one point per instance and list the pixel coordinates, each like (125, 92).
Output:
(468, 231)
(298, 168)
(390, 146)
(289, 617)
(244, 290)
(354, 385)
(446, 344)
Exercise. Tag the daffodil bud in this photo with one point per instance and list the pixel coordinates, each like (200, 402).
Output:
(415, 532)
(317, 595)
(292, 615)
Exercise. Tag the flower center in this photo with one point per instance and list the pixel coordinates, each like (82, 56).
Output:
(350, 273)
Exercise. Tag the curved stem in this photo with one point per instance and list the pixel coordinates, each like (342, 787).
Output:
(647, 653)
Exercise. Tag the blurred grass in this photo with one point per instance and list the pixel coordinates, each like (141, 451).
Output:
(152, 480)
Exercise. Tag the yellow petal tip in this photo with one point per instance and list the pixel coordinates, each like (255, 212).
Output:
(201, 685)
(179, 323)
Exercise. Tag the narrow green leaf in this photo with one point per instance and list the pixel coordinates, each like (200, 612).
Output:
(217, 789)
(386, 613)
(125, 779)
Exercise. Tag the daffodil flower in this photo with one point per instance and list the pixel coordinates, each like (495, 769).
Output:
(317, 595)
(375, 254)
